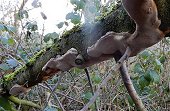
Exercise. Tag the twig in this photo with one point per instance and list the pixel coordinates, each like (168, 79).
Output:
(62, 94)
(104, 82)
(55, 87)
(130, 88)
(55, 95)
(91, 87)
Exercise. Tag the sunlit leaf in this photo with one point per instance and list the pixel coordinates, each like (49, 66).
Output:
(11, 41)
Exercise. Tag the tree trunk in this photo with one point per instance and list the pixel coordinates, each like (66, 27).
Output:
(80, 37)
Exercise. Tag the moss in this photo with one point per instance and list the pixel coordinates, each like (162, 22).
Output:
(106, 13)
(73, 30)
(10, 76)
(21, 69)
(33, 60)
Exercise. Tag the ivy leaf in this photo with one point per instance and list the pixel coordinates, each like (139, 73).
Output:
(155, 76)
(4, 40)
(158, 65)
(73, 1)
(49, 108)
(76, 19)
(12, 62)
(143, 82)
(2, 28)
(87, 95)
(138, 68)
(60, 25)
(145, 54)
(4, 66)
(49, 36)
(162, 59)
(43, 15)
(152, 76)
(96, 78)
(69, 16)
(11, 41)
(92, 9)
(4, 103)
(22, 14)
(11, 29)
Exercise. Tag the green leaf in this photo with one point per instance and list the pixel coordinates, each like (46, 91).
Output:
(49, 108)
(87, 95)
(60, 25)
(4, 66)
(162, 59)
(143, 82)
(2, 28)
(80, 4)
(4, 103)
(145, 54)
(96, 78)
(32, 26)
(69, 16)
(4, 40)
(49, 36)
(76, 19)
(138, 68)
(158, 65)
(22, 14)
(155, 76)
(73, 1)
(152, 76)
(12, 62)
(93, 9)
(130, 100)
(11, 41)
(10, 29)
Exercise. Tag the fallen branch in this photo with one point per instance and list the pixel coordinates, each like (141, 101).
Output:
(130, 88)
(23, 102)
(109, 76)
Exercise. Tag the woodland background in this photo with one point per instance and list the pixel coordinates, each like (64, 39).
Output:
(21, 42)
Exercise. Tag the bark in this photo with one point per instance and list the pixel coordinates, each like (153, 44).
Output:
(80, 37)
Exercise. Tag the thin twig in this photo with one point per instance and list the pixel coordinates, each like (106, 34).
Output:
(91, 87)
(55, 95)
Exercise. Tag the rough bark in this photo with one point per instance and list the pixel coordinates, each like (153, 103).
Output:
(80, 37)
